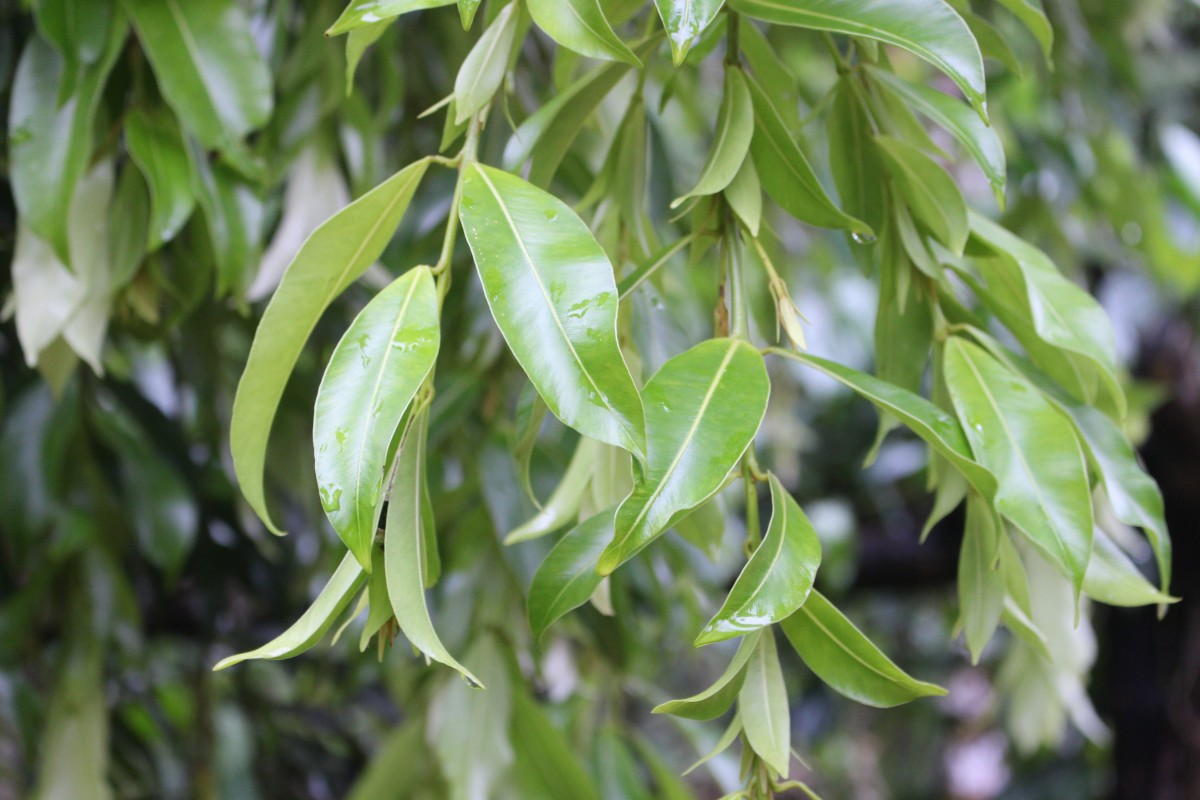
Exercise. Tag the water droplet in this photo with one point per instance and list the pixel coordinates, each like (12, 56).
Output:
(666, 407)
(862, 238)
(469, 202)
(551, 215)
(331, 501)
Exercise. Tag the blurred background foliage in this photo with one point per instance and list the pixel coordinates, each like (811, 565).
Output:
(129, 564)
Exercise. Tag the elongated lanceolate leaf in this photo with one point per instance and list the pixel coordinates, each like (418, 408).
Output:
(1114, 579)
(716, 699)
(684, 20)
(580, 26)
(1030, 447)
(1033, 16)
(703, 408)
(372, 377)
(207, 65)
(483, 69)
(567, 577)
(156, 145)
(367, 12)
(404, 543)
(735, 128)
(546, 764)
(563, 503)
(848, 661)
(777, 578)
(329, 261)
(763, 706)
(980, 583)
(552, 292)
(928, 190)
(929, 28)
(345, 582)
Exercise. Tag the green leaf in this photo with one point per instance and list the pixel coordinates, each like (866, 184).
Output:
(356, 46)
(704, 528)
(345, 582)
(1113, 579)
(744, 195)
(156, 145)
(552, 292)
(1030, 446)
(938, 429)
(50, 143)
(466, 12)
(78, 29)
(483, 69)
(207, 65)
(786, 174)
(367, 12)
(564, 501)
(128, 226)
(777, 578)
(403, 549)
(703, 408)
(580, 26)
(929, 191)
(763, 706)
(929, 28)
(726, 739)
(531, 412)
(233, 213)
(735, 128)
(379, 610)
(684, 20)
(844, 658)
(853, 159)
(330, 260)
(372, 378)
(980, 583)
(716, 699)
(1033, 17)
(545, 759)
(977, 138)
(567, 577)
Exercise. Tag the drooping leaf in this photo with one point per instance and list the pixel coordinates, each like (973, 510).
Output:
(372, 378)
(853, 158)
(545, 760)
(567, 577)
(234, 212)
(466, 12)
(731, 141)
(207, 65)
(1033, 17)
(357, 43)
(379, 609)
(777, 578)
(744, 195)
(563, 504)
(156, 145)
(763, 706)
(716, 699)
(684, 20)
(329, 261)
(345, 582)
(980, 583)
(580, 26)
(848, 661)
(1114, 579)
(703, 408)
(1030, 447)
(128, 226)
(483, 69)
(367, 12)
(929, 28)
(552, 292)
(704, 528)
(930, 192)
(726, 739)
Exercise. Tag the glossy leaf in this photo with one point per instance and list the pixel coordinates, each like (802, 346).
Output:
(567, 577)
(703, 408)
(980, 583)
(929, 28)
(1114, 579)
(466, 12)
(716, 699)
(372, 378)
(777, 578)
(483, 69)
(552, 292)
(786, 174)
(207, 65)
(1030, 447)
(763, 706)
(731, 141)
(563, 504)
(580, 26)
(684, 20)
(345, 582)
(930, 192)
(844, 658)
(330, 260)
(403, 550)
(156, 145)
(367, 12)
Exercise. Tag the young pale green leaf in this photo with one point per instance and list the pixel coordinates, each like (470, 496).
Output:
(1030, 447)
(546, 764)
(551, 290)
(1064, 316)
(684, 20)
(483, 69)
(976, 137)
(233, 213)
(207, 65)
(786, 174)
(1113, 579)
(853, 159)
(156, 145)
(404, 543)
(567, 577)
(726, 739)
(612, 477)
(531, 412)
(379, 610)
(716, 699)
(1033, 17)
(763, 706)
(980, 583)
(466, 12)
(368, 12)
(345, 582)
(929, 28)
(128, 225)
(848, 661)
(580, 26)
(929, 191)
(939, 430)
(51, 142)
(329, 261)
(735, 128)
(777, 578)
(356, 46)
(372, 377)
(563, 504)
(744, 195)
(903, 322)
(703, 408)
